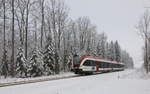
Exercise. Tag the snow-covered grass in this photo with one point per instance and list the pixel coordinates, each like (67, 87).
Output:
(9, 80)
(138, 73)
(107, 83)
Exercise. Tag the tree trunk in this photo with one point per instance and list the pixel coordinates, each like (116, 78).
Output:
(4, 60)
(12, 57)
(4, 25)
(26, 35)
(146, 56)
(42, 22)
(35, 37)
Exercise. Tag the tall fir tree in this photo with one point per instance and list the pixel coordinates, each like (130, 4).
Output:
(117, 52)
(49, 60)
(4, 66)
(112, 51)
(35, 67)
(21, 64)
(101, 46)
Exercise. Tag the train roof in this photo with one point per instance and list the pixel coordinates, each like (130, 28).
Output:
(99, 59)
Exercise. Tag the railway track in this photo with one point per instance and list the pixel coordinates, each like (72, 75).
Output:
(41, 80)
(35, 81)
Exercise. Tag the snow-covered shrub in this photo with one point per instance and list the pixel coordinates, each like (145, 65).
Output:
(35, 67)
(4, 66)
(21, 64)
(49, 60)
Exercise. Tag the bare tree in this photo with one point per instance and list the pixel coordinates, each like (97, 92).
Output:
(4, 20)
(35, 34)
(4, 58)
(144, 29)
(20, 18)
(26, 27)
(41, 2)
(83, 26)
(13, 33)
(58, 18)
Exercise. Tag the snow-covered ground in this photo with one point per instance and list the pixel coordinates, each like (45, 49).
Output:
(124, 82)
(10, 80)
(135, 74)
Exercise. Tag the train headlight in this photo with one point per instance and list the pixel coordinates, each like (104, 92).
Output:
(82, 67)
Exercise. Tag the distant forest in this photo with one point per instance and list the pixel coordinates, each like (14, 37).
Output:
(37, 38)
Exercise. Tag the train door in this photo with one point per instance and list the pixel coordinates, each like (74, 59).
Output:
(97, 66)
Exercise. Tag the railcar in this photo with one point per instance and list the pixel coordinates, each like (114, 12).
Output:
(90, 65)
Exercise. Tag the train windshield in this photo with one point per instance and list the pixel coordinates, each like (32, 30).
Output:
(89, 63)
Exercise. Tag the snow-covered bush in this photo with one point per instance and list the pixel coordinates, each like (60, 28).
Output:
(4, 70)
(35, 66)
(21, 64)
(49, 60)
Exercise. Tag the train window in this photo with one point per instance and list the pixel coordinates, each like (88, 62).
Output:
(114, 66)
(87, 63)
(93, 63)
(105, 65)
(110, 65)
(101, 64)
(119, 66)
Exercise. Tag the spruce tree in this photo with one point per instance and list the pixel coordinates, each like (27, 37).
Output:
(35, 67)
(21, 64)
(112, 51)
(4, 66)
(49, 60)
(117, 52)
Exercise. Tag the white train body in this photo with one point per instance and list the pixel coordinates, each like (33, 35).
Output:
(90, 65)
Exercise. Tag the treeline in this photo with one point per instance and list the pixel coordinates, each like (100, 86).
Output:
(37, 37)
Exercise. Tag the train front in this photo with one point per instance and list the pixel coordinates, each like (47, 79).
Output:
(76, 65)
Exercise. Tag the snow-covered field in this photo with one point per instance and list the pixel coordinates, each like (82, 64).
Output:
(10, 80)
(124, 82)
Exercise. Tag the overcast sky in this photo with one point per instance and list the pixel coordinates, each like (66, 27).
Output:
(117, 18)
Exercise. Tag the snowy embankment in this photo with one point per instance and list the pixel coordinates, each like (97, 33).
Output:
(107, 83)
(10, 80)
(138, 73)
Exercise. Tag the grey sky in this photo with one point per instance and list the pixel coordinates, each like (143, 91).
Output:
(117, 18)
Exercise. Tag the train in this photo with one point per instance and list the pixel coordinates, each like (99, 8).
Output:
(89, 65)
